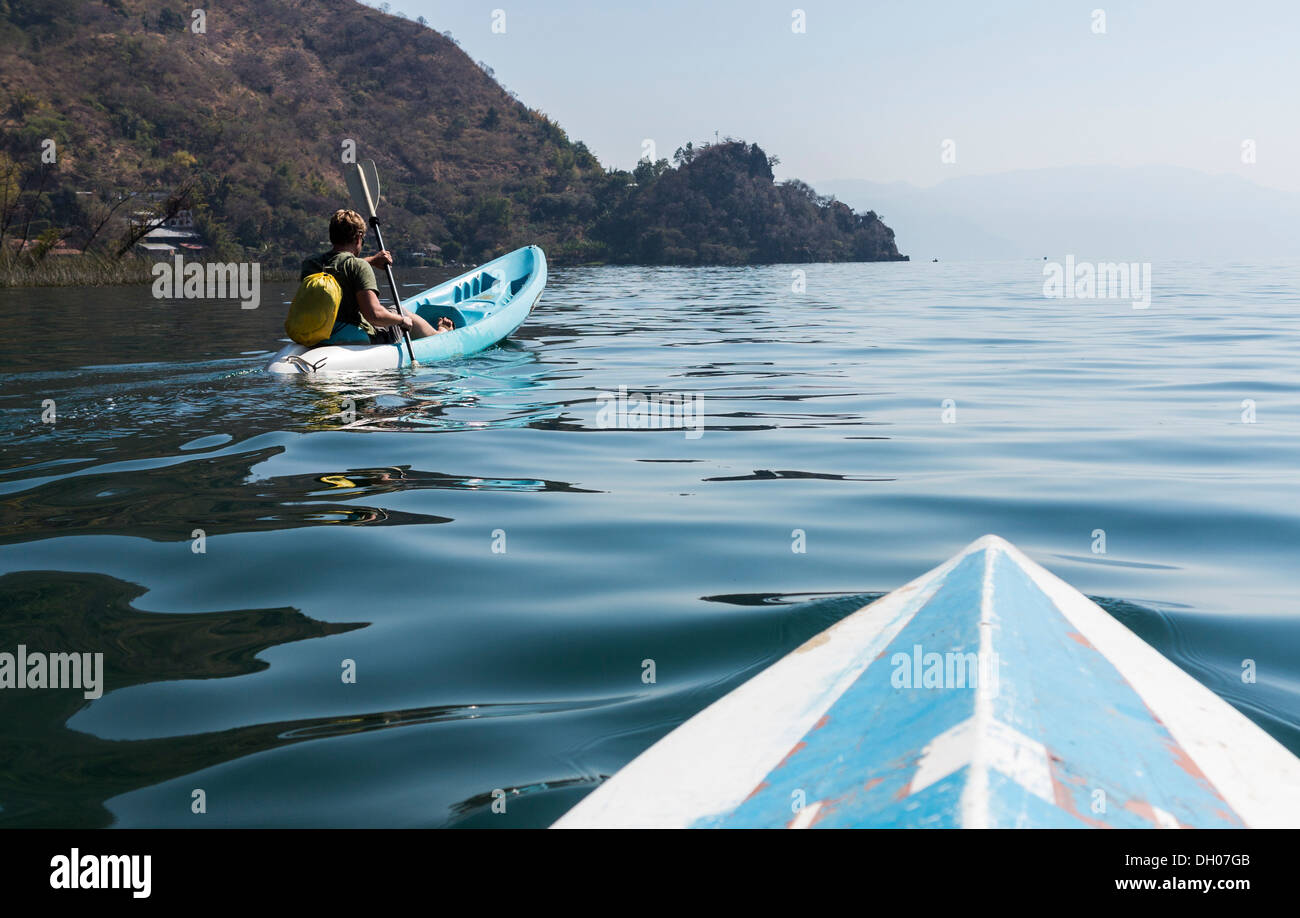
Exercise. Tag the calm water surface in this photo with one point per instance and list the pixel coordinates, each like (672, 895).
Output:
(522, 670)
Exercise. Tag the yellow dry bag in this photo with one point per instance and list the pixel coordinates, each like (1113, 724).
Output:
(314, 309)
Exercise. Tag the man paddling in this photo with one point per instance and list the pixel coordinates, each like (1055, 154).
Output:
(360, 305)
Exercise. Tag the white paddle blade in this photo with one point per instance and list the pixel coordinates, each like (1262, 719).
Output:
(359, 188)
(372, 180)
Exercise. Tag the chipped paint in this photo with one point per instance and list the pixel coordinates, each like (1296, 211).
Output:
(815, 641)
(1158, 818)
(794, 750)
(1079, 639)
(1064, 796)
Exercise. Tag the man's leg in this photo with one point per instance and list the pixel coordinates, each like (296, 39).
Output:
(421, 328)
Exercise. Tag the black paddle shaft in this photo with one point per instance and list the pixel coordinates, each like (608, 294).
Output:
(392, 285)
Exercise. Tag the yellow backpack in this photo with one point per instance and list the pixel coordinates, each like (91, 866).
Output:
(314, 309)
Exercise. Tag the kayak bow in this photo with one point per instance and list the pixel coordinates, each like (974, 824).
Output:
(1053, 715)
(485, 305)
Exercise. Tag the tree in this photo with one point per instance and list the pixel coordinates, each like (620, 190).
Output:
(10, 189)
(97, 214)
(218, 239)
(171, 21)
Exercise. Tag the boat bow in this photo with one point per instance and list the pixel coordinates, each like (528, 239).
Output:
(985, 693)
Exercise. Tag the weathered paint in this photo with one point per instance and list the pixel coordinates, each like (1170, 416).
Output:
(1089, 726)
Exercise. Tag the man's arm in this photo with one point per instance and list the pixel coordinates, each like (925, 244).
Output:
(376, 313)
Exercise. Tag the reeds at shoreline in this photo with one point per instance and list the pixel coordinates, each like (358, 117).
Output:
(89, 271)
(73, 271)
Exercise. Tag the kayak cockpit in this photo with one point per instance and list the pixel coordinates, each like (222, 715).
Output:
(479, 283)
(438, 303)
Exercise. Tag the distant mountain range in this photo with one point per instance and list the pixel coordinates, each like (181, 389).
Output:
(1096, 212)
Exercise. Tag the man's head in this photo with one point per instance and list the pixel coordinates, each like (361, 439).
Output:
(347, 229)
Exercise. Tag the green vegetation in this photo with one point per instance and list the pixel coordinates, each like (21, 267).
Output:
(73, 271)
(246, 124)
(721, 206)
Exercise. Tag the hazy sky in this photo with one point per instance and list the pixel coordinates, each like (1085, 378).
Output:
(872, 89)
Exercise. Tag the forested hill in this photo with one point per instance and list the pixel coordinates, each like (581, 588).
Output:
(721, 206)
(247, 121)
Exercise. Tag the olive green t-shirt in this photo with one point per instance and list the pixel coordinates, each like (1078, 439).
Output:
(354, 275)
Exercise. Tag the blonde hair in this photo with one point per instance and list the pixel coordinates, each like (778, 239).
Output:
(346, 227)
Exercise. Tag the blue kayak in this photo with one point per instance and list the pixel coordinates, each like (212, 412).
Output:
(485, 305)
(985, 693)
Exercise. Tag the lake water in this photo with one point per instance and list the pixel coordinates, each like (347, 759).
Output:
(522, 670)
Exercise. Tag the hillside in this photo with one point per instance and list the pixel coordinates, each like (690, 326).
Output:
(246, 123)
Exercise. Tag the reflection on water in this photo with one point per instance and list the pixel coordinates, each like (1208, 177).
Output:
(220, 495)
(216, 495)
(56, 776)
(498, 568)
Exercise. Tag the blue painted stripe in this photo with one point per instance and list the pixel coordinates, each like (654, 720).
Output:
(1102, 738)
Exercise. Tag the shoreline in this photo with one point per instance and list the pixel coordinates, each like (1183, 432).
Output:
(80, 271)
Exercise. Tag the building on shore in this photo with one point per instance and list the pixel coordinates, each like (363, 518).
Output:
(175, 234)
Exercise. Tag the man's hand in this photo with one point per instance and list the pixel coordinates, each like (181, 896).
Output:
(407, 322)
(381, 259)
